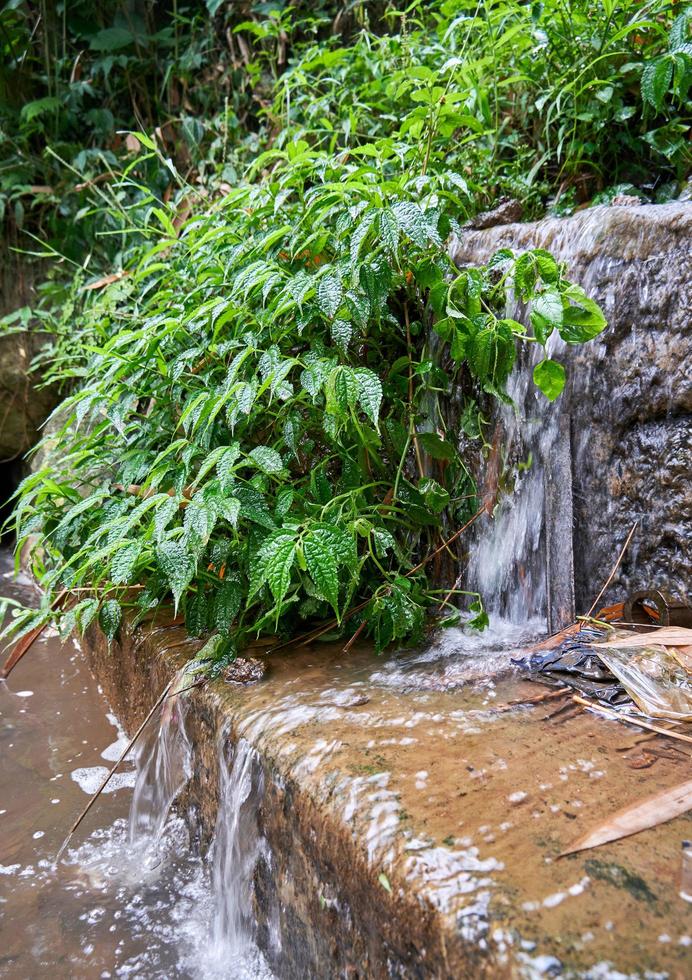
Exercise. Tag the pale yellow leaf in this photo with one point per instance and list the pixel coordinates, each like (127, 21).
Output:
(650, 812)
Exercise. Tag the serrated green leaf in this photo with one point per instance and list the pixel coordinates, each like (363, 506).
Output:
(178, 566)
(412, 222)
(341, 331)
(279, 571)
(263, 560)
(341, 390)
(110, 618)
(163, 515)
(369, 394)
(225, 464)
(548, 268)
(229, 508)
(329, 294)
(266, 459)
(85, 613)
(491, 353)
(196, 614)
(124, 562)
(389, 230)
(226, 606)
(360, 234)
(384, 541)
(656, 79)
(322, 566)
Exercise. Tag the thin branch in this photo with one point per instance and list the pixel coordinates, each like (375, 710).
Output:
(123, 754)
(630, 719)
(615, 568)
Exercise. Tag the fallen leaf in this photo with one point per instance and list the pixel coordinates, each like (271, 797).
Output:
(610, 613)
(24, 644)
(656, 809)
(667, 636)
(105, 281)
(683, 655)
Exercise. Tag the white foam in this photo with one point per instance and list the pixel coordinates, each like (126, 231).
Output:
(89, 778)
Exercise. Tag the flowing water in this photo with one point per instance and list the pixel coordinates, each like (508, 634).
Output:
(508, 558)
(129, 898)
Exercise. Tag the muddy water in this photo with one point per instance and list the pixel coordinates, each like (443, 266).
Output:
(108, 909)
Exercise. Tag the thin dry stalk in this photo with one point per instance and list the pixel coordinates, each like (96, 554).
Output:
(631, 719)
(106, 780)
(615, 568)
(538, 699)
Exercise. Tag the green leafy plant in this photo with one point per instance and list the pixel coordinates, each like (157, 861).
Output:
(256, 431)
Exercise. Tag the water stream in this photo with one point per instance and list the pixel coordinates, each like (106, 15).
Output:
(130, 898)
(508, 558)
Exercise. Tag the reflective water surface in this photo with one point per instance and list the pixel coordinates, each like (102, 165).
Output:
(128, 898)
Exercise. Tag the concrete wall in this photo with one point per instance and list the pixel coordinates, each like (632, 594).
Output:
(630, 391)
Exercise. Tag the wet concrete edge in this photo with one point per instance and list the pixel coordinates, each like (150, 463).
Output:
(313, 884)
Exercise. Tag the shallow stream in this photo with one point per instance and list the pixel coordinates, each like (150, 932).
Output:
(120, 903)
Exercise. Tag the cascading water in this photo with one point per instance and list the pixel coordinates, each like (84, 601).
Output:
(163, 768)
(507, 562)
(236, 849)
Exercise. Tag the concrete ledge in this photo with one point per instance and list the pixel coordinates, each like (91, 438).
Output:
(373, 771)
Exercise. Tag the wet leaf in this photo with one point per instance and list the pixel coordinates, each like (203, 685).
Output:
(549, 376)
(178, 565)
(668, 636)
(110, 617)
(322, 566)
(650, 812)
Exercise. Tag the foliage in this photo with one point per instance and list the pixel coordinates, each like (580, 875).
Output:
(519, 99)
(263, 321)
(256, 429)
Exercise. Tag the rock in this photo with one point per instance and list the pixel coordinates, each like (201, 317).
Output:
(506, 211)
(626, 201)
(25, 406)
(629, 391)
(245, 670)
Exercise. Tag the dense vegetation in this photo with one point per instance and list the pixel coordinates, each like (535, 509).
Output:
(263, 319)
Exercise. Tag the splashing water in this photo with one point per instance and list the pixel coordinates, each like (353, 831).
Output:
(163, 768)
(507, 562)
(236, 850)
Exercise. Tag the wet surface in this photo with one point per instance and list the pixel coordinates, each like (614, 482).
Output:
(111, 908)
(404, 789)
(467, 806)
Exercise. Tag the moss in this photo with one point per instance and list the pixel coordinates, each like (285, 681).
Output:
(616, 874)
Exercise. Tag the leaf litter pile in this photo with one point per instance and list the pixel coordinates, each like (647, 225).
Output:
(639, 678)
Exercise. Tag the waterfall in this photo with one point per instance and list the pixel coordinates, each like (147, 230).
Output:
(236, 850)
(509, 558)
(163, 768)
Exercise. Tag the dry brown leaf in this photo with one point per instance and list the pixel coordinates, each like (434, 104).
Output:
(683, 655)
(24, 644)
(105, 280)
(656, 809)
(668, 636)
